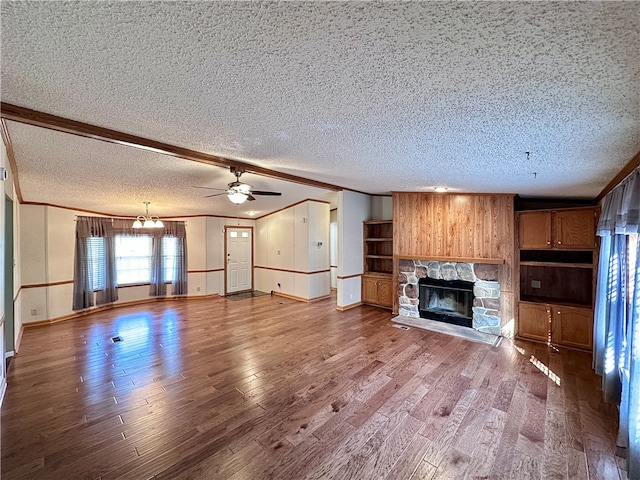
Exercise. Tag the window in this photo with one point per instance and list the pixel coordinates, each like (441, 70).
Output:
(169, 257)
(632, 250)
(95, 254)
(133, 259)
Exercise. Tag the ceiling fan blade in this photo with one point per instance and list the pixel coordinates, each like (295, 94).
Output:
(215, 195)
(260, 192)
(250, 197)
(209, 188)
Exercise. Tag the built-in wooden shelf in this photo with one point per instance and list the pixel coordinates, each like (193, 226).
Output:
(556, 264)
(377, 283)
(492, 261)
(378, 247)
(551, 300)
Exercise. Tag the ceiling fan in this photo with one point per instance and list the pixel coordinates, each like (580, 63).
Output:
(238, 192)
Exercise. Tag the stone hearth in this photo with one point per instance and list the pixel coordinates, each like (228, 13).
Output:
(486, 288)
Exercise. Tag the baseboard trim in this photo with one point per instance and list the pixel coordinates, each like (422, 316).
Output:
(349, 307)
(16, 347)
(101, 308)
(300, 299)
(3, 389)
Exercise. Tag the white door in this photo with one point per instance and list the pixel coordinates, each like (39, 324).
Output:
(239, 262)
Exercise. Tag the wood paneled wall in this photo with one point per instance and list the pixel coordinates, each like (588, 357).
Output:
(458, 227)
(452, 225)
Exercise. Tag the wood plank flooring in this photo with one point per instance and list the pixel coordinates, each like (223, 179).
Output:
(268, 388)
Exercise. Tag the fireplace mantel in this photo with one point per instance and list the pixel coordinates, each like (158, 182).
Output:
(431, 258)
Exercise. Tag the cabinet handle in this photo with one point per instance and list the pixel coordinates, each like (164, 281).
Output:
(548, 242)
(559, 243)
(558, 312)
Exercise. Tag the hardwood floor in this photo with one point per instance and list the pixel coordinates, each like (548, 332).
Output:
(273, 388)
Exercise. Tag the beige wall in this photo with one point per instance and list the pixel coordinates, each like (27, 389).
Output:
(46, 254)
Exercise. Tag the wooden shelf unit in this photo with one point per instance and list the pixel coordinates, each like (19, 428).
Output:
(377, 285)
(557, 274)
(378, 246)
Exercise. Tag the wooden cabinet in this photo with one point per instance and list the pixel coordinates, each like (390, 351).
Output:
(557, 269)
(534, 230)
(558, 324)
(534, 321)
(377, 290)
(570, 229)
(377, 286)
(576, 229)
(572, 326)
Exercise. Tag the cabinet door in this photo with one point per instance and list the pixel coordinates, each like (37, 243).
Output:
(534, 230)
(572, 326)
(385, 292)
(575, 229)
(534, 321)
(370, 290)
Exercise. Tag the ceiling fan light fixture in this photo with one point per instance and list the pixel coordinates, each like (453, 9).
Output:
(237, 197)
(440, 189)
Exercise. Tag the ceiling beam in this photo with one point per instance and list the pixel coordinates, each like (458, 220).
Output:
(622, 174)
(65, 125)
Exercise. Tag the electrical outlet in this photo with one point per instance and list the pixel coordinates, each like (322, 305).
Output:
(278, 252)
(34, 312)
(197, 289)
(535, 283)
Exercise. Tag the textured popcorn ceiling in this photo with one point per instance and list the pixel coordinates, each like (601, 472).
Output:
(376, 97)
(68, 170)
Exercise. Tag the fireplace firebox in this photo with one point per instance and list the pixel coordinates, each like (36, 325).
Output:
(449, 301)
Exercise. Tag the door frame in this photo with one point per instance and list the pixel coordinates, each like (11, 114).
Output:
(9, 319)
(248, 227)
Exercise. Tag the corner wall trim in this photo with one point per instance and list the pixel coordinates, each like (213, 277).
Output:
(340, 277)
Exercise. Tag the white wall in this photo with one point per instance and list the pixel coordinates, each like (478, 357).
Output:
(288, 249)
(353, 209)
(33, 295)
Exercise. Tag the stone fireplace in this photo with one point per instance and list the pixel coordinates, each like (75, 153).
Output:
(449, 301)
(485, 310)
